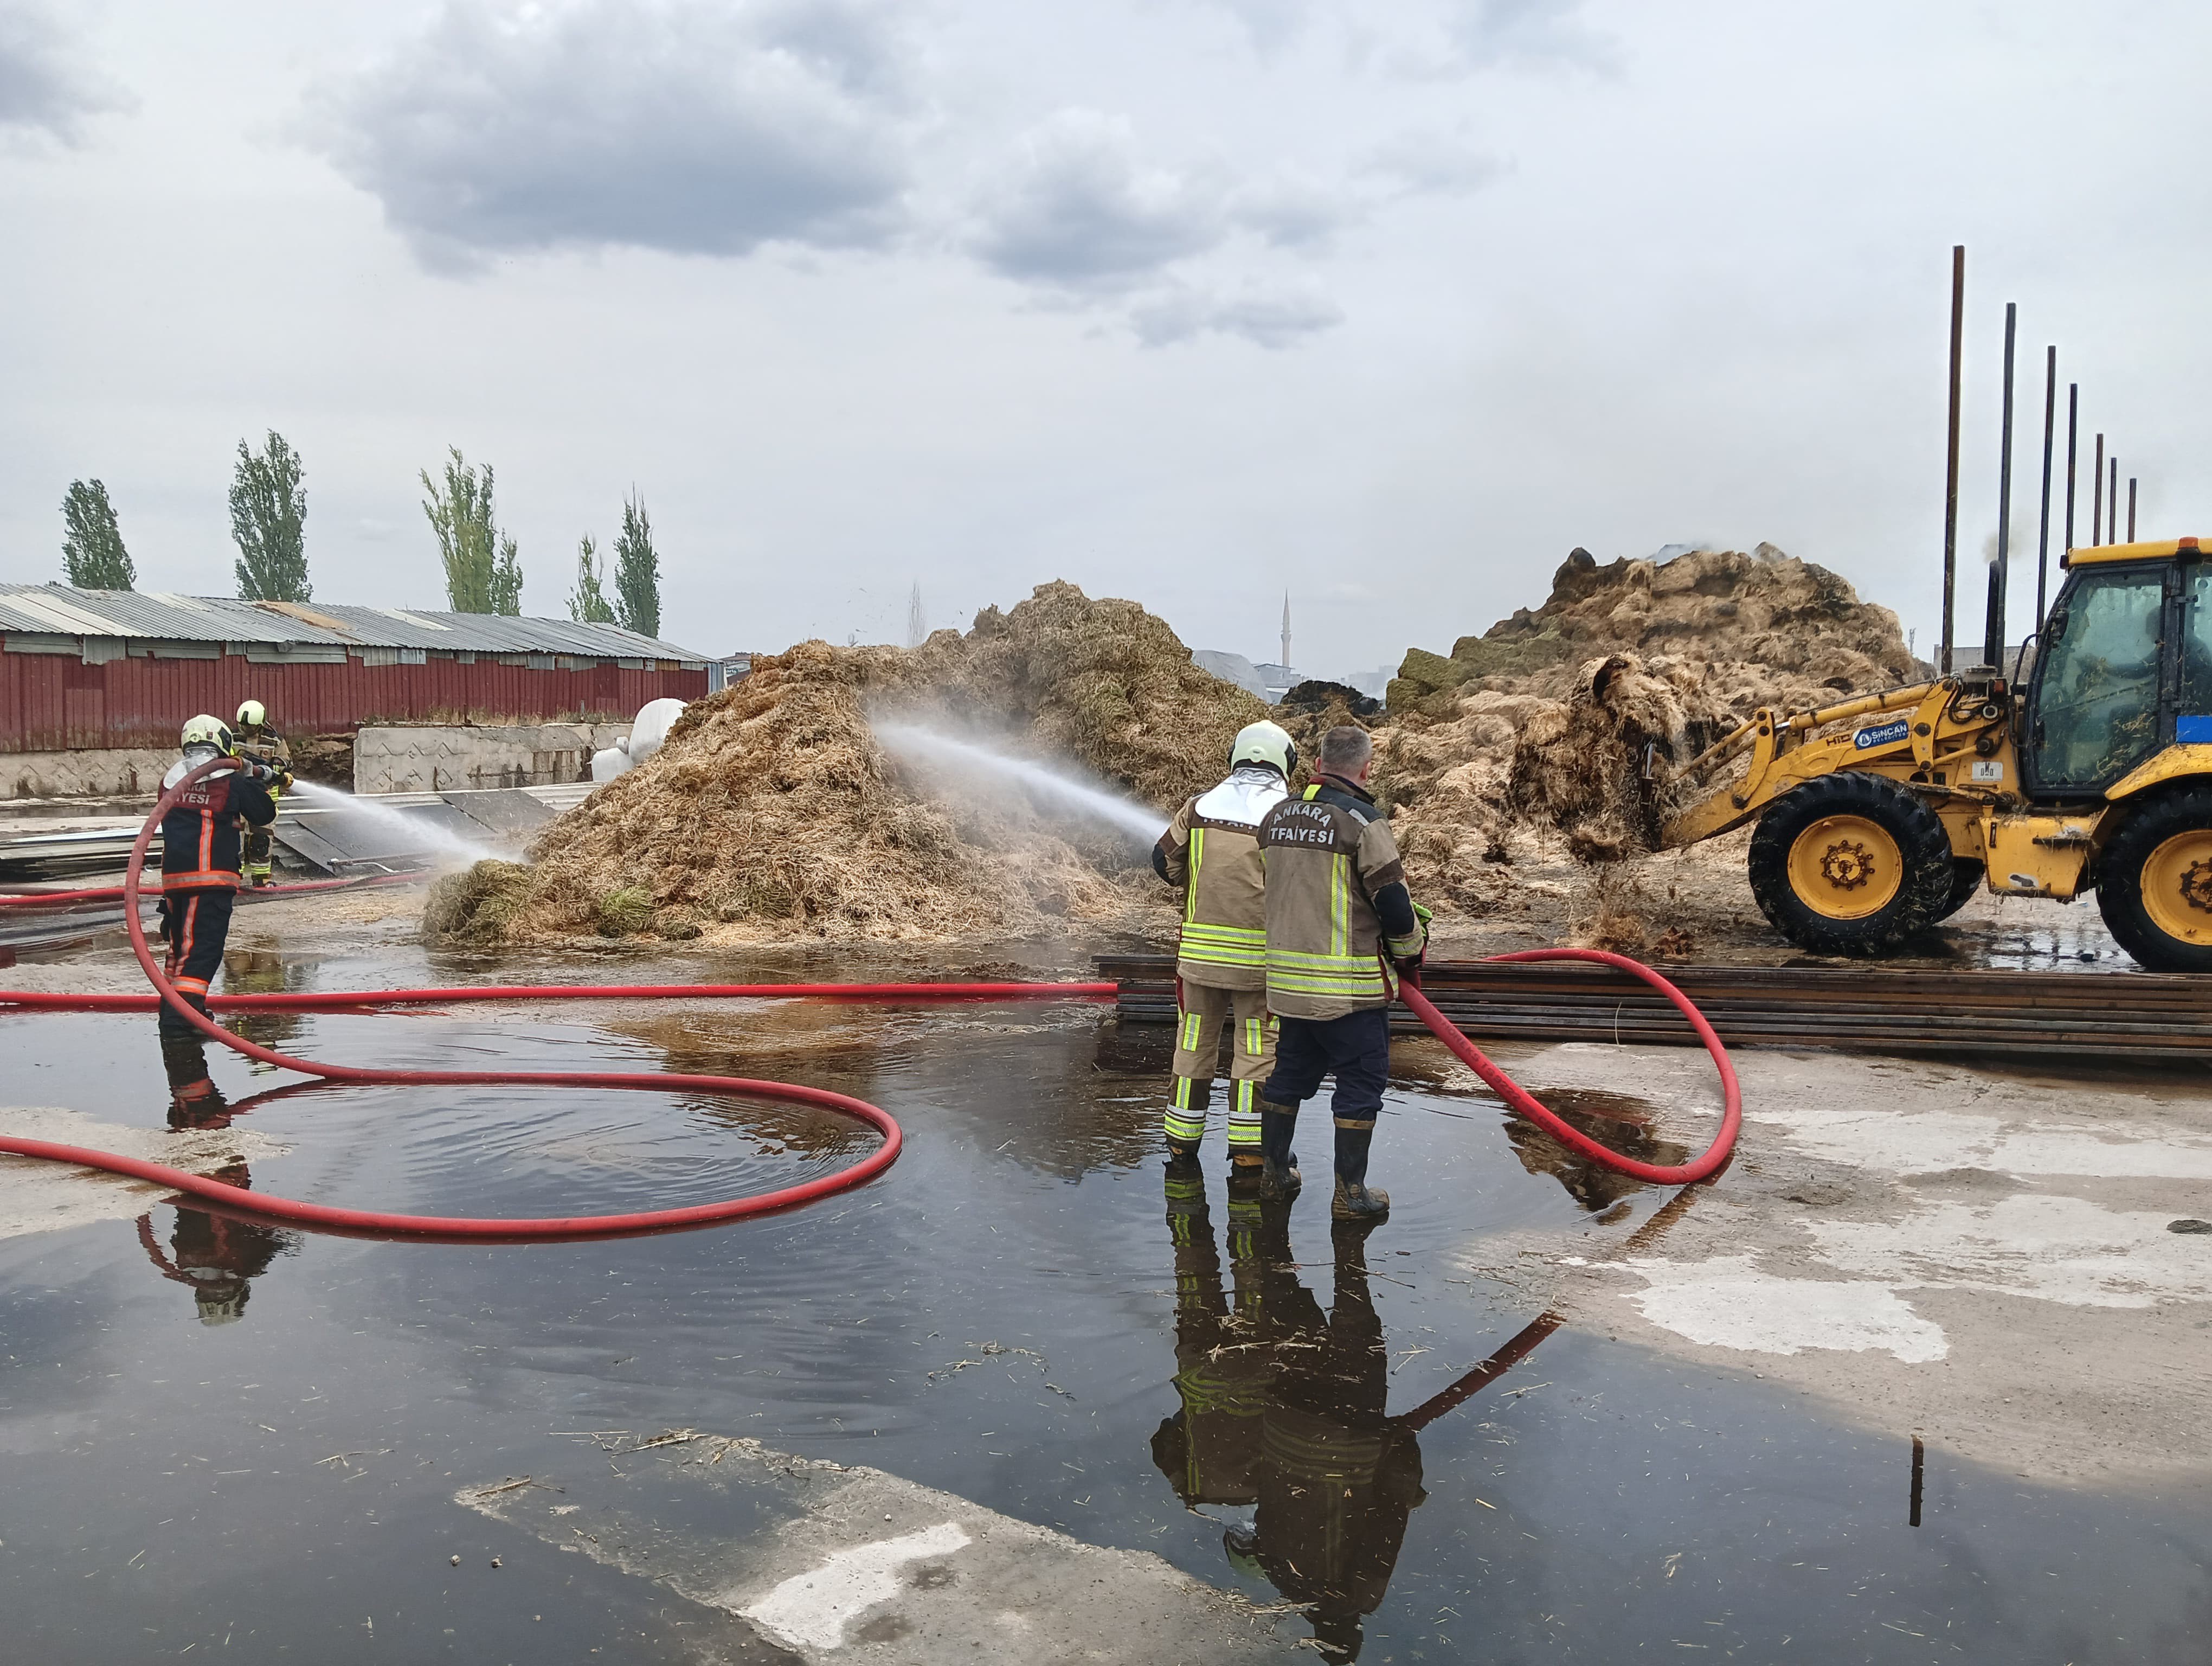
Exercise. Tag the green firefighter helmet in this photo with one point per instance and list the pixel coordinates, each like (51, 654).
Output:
(252, 714)
(1265, 743)
(206, 731)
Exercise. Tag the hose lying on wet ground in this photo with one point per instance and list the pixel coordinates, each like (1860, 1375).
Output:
(383, 1222)
(1681, 1174)
(233, 1199)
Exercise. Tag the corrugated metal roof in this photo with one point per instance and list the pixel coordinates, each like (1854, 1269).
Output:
(62, 610)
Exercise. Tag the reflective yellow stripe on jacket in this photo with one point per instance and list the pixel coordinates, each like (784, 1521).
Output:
(1206, 945)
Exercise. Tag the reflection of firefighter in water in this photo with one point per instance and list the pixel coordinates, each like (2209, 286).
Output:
(1209, 1450)
(1334, 1478)
(217, 1256)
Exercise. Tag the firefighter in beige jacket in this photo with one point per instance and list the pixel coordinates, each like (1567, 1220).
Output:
(1211, 849)
(1342, 927)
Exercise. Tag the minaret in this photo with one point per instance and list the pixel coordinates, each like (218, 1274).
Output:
(1286, 628)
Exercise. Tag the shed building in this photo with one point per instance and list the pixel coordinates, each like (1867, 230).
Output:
(123, 669)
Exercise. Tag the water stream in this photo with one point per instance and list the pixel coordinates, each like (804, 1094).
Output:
(421, 832)
(1094, 802)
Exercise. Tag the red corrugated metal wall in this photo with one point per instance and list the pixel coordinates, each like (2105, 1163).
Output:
(53, 702)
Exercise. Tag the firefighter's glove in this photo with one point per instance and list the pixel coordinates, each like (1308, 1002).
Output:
(1409, 965)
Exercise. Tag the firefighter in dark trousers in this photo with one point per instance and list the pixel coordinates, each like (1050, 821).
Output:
(259, 744)
(1338, 1479)
(1210, 851)
(1342, 927)
(215, 1256)
(1209, 1450)
(201, 843)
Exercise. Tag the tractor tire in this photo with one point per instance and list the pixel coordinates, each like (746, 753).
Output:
(1851, 864)
(2154, 882)
(1967, 876)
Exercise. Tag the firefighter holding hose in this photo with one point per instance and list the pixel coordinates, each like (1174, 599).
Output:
(1342, 927)
(202, 839)
(1211, 850)
(259, 742)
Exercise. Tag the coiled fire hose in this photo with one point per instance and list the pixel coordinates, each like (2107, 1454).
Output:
(233, 1199)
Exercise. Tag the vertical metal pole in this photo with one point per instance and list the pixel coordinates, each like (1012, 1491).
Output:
(2131, 508)
(1993, 624)
(2097, 503)
(2073, 448)
(1951, 467)
(2050, 433)
(2112, 504)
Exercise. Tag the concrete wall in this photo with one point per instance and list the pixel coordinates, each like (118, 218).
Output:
(97, 772)
(434, 758)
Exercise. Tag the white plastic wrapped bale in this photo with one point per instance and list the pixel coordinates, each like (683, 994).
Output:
(654, 719)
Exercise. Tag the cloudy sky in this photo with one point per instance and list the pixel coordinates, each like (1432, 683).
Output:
(1191, 300)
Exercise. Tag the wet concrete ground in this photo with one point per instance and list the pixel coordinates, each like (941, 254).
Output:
(219, 1437)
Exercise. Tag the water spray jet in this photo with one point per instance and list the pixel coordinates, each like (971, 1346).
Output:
(1094, 803)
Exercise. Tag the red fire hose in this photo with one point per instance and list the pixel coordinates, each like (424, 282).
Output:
(453, 1227)
(237, 1199)
(74, 899)
(1514, 1094)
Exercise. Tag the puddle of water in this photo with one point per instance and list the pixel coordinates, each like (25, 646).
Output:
(214, 1429)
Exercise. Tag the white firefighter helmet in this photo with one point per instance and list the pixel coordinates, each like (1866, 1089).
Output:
(1265, 743)
(252, 714)
(206, 731)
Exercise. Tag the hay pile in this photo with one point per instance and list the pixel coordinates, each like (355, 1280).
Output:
(772, 813)
(1525, 745)
(1764, 627)
(1512, 767)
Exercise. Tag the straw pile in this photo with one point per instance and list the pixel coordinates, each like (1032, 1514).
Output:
(772, 813)
(1511, 767)
(1525, 745)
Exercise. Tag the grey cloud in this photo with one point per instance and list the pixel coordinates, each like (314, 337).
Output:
(1295, 212)
(44, 92)
(1422, 160)
(1272, 319)
(1488, 33)
(1272, 24)
(1076, 210)
(682, 126)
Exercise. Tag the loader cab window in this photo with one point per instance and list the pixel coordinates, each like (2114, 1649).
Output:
(2195, 722)
(2096, 684)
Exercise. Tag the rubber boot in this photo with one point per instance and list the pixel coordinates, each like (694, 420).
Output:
(1279, 1164)
(1356, 1201)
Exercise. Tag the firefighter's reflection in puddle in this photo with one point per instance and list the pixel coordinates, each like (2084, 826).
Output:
(216, 1256)
(1284, 1409)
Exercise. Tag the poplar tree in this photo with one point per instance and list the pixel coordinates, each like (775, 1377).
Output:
(269, 522)
(637, 571)
(588, 603)
(93, 556)
(484, 571)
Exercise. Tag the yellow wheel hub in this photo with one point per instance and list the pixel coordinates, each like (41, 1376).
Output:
(2177, 887)
(1847, 868)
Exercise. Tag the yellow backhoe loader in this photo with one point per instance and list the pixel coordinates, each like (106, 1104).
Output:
(1881, 816)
